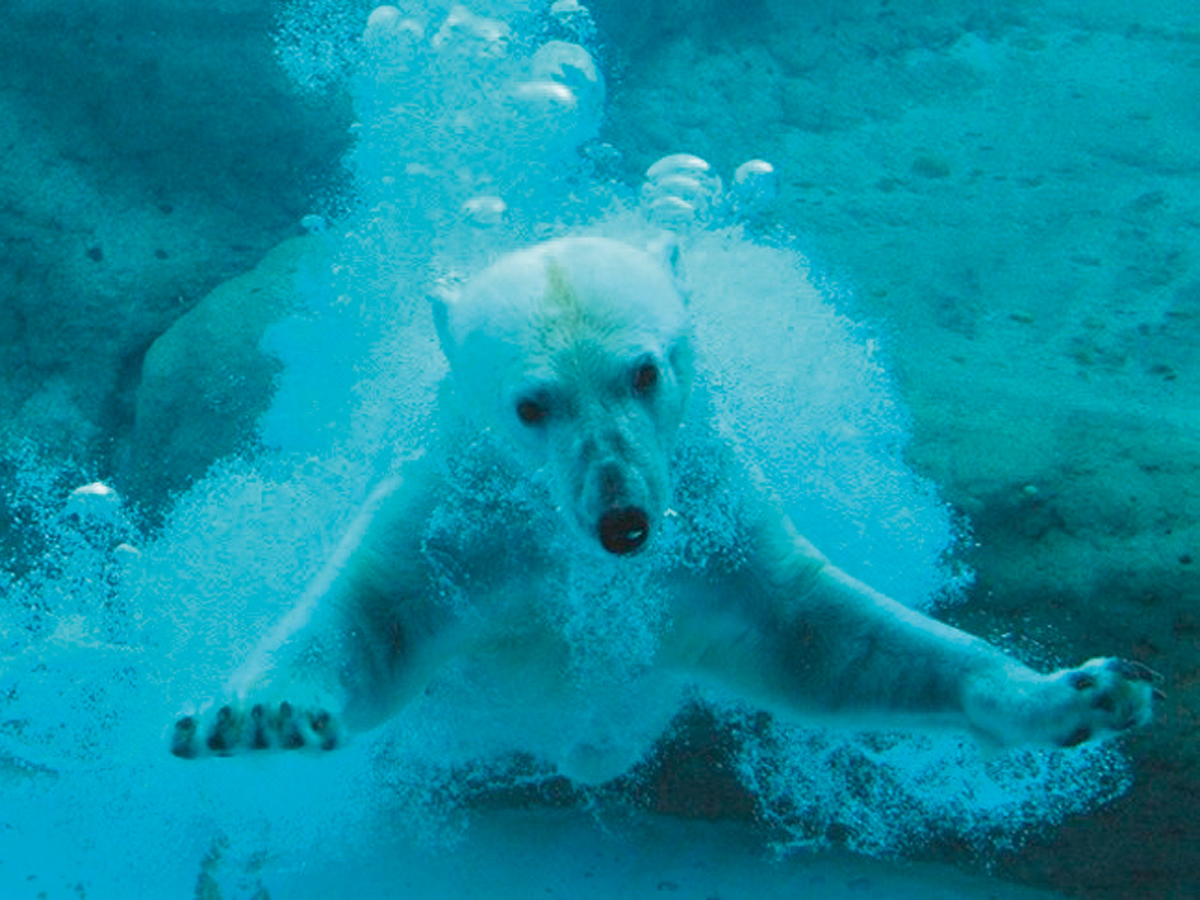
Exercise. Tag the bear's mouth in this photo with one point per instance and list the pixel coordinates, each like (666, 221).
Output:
(623, 530)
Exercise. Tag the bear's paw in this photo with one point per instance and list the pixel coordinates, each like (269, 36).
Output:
(234, 729)
(1103, 697)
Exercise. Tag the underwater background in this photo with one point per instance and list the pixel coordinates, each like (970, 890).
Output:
(219, 222)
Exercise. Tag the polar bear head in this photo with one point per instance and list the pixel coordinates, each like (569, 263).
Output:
(575, 353)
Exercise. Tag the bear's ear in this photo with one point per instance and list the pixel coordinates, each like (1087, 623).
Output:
(441, 298)
(683, 363)
(665, 249)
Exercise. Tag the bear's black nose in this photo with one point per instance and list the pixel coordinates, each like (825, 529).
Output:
(624, 530)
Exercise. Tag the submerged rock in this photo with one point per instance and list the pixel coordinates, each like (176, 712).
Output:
(205, 382)
(150, 152)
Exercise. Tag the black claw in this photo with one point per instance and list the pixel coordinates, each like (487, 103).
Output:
(1134, 671)
(322, 725)
(224, 733)
(1158, 695)
(1081, 681)
(1077, 737)
(183, 740)
(258, 721)
(290, 737)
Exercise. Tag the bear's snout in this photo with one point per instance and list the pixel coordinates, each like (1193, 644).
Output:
(623, 530)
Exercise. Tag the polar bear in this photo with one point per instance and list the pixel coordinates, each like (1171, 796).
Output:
(571, 366)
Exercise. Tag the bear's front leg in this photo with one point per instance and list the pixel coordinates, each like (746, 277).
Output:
(363, 639)
(791, 632)
(311, 682)
(876, 662)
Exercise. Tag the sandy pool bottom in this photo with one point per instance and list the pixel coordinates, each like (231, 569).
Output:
(556, 853)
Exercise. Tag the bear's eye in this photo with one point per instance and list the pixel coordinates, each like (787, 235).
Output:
(645, 377)
(530, 412)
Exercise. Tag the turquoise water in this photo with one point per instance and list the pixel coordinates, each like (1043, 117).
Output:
(954, 320)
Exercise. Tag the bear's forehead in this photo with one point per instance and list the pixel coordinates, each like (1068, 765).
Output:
(578, 290)
(567, 318)
(560, 298)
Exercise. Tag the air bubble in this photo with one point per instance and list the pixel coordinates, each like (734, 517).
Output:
(562, 101)
(390, 34)
(572, 66)
(472, 36)
(485, 211)
(95, 501)
(680, 189)
(314, 224)
(126, 554)
(755, 185)
(671, 211)
(680, 164)
(546, 96)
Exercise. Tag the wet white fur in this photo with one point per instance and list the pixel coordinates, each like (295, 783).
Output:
(766, 617)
